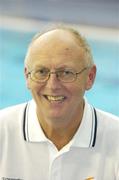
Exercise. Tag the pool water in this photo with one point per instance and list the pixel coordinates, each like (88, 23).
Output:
(13, 46)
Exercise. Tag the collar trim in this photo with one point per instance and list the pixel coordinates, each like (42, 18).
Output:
(85, 136)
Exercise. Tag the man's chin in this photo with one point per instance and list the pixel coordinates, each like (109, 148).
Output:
(55, 116)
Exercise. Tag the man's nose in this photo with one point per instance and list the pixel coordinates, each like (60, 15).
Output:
(53, 82)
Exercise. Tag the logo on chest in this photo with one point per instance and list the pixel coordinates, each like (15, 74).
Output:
(90, 178)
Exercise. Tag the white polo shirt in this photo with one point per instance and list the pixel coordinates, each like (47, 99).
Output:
(26, 154)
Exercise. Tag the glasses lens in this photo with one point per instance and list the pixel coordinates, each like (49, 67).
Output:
(40, 75)
(43, 74)
(66, 76)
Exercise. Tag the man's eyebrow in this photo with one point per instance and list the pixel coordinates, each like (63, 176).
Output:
(66, 69)
(41, 66)
(63, 67)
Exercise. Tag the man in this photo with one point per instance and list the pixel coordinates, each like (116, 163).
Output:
(58, 135)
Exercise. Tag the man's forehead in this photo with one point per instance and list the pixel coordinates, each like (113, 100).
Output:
(56, 44)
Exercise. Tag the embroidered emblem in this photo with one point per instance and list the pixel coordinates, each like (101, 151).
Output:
(90, 178)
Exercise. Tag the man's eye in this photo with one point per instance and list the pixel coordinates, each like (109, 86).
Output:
(67, 72)
(43, 71)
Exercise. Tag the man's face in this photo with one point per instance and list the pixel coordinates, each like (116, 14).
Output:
(55, 99)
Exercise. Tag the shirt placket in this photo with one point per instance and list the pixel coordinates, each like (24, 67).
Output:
(55, 169)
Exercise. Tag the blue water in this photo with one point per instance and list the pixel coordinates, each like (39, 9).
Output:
(13, 46)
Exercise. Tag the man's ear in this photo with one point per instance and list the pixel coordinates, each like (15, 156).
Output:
(26, 72)
(91, 77)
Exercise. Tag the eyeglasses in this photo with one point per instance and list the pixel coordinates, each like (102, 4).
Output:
(43, 74)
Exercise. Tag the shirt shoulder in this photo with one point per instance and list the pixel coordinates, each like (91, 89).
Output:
(11, 116)
(108, 131)
(106, 118)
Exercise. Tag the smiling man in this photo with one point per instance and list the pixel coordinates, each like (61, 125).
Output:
(58, 135)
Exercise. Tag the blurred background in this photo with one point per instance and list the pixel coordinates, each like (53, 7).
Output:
(97, 20)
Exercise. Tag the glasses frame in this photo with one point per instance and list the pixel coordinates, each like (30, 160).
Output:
(58, 77)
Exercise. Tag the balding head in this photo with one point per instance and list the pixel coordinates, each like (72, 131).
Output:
(54, 38)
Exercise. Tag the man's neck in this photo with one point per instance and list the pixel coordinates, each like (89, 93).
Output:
(61, 133)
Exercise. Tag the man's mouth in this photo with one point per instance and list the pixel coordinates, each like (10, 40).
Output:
(55, 98)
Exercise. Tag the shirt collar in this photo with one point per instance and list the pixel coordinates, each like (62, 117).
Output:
(33, 130)
(84, 136)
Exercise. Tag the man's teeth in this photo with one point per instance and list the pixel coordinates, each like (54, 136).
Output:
(55, 98)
